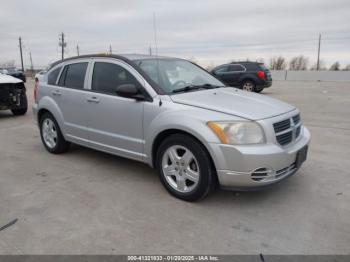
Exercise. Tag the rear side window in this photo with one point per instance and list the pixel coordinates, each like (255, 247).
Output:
(73, 75)
(52, 77)
(221, 69)
(236, 68)
(107, 77)
(252, 67)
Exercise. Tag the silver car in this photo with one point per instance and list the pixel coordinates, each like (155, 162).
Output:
(174, 116)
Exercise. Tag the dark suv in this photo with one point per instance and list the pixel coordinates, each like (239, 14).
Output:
(250, 76)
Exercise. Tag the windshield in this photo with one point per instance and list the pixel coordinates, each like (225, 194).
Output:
(177, 74)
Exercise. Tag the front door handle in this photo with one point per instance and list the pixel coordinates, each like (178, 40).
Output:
(57, 93)
(93, 99)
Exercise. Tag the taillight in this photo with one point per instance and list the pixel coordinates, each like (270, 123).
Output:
(36, 89)
(261, 74)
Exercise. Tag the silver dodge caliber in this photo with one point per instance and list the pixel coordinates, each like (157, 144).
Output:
(174, 116)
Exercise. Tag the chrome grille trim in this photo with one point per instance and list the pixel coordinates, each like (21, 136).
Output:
(287, 130)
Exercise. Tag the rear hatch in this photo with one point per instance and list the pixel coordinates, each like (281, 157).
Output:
(266, 71)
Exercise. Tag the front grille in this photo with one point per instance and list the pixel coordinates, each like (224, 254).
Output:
(285, 138)
(280, 126)
(287, 130)
(296, 119)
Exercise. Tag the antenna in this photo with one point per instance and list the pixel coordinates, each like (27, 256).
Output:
(155, 32)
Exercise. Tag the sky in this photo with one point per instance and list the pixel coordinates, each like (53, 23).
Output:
(210, 32)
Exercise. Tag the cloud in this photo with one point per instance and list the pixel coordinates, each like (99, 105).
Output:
(211, 31)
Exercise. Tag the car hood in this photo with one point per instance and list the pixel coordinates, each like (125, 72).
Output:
(235, 102)
(6, 79)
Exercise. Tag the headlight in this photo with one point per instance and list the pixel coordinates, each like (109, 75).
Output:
(238, 133)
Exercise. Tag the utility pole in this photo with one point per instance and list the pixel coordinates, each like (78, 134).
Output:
(62, 44)
(31, 61)
(150, 50)
(20, 50)
(78, 50)
(31, 64)
(318, 53)
(110, 49)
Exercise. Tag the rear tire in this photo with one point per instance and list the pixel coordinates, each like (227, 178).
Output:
(248, 85)
(185, 167)
(51, 135)
(23, 106)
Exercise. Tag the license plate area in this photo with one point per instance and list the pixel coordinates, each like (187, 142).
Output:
(301, 156)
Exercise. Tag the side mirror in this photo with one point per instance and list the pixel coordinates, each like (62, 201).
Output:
(129, 91)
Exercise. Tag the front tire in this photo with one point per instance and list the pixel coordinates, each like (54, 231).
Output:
(185, 168)
(23, 107)
(51, 135)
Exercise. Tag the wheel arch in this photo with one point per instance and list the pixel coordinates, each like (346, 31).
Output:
(48, 105)
(165, 133)
(248, 78)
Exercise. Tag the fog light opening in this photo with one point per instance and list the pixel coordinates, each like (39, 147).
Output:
(260, 174)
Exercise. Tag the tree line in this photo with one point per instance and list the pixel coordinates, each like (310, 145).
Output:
(302, 63)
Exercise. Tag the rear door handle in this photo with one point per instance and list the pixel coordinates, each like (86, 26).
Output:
(93, 99)
(57, 93)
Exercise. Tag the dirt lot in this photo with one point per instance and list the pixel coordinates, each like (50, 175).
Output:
(93, 203)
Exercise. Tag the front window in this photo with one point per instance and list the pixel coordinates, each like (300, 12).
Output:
(107, 77)
(176, 74)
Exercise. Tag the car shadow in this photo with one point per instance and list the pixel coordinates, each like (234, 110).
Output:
(134, 170)
(6, 114)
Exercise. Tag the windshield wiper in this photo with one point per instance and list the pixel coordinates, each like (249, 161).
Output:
(194, 87)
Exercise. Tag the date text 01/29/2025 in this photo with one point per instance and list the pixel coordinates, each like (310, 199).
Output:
(173, 258)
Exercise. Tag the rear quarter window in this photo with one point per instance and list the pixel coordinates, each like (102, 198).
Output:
(263, 67)
(252, 67)
(52, 77)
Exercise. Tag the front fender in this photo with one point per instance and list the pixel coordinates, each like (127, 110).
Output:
(193, 123)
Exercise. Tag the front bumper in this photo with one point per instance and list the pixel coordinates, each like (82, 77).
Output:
(254, 166)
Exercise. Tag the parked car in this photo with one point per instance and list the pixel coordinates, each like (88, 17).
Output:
(250, 76)
(174, 116)
(13, 95)
(13, 71)
(38, 76)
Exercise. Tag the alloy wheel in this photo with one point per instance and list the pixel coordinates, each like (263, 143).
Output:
(180, 168)
(49, 132)
(248, 86)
